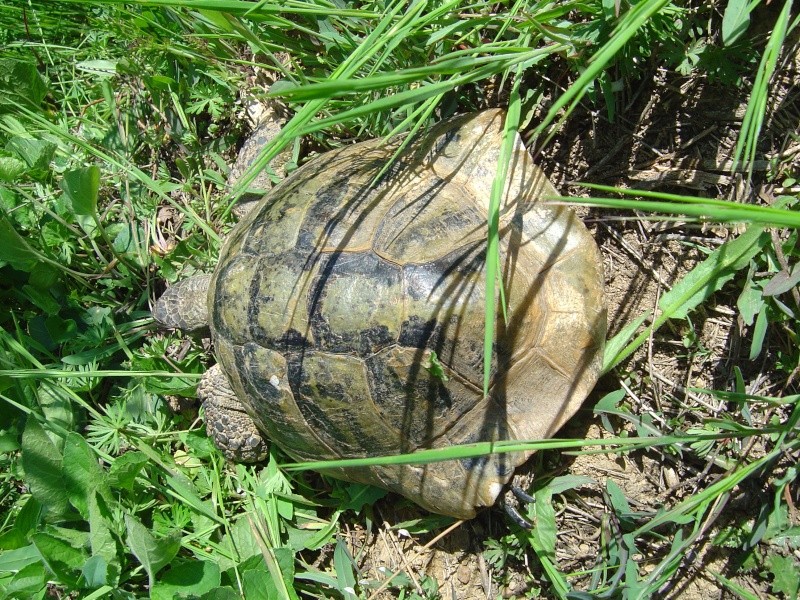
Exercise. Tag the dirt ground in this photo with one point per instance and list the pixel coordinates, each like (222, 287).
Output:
(672, 134)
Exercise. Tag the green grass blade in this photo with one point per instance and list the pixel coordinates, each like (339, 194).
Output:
(627, 27)
(756, 108)
(724, 485)
(246, 8)
(462, 451)
(708, 209)
(699, 284)
(510, 137)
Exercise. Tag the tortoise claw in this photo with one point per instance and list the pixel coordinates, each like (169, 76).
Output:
(522, 495)
(511, 509)
(516, 516)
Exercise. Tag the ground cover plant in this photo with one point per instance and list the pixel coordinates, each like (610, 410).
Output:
(118, 126)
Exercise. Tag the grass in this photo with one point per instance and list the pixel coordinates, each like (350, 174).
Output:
(117, 124)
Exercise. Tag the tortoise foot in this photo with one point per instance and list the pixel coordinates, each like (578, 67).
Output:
(511, 501)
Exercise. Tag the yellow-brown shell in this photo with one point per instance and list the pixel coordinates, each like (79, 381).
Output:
(331, 296)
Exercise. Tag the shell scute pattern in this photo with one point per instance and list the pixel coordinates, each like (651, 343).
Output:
(446, 297)
(333, 393)
(330, 298)
(279, 316)
(278, 414)
(343, 317)
(427, 220)
(421, 407)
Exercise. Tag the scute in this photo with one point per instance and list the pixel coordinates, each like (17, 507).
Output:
(261, 380)
(279, 314)
(230, 296)
(421, 404)
(427, 220)
(333, 394)
(331, 298)
(445, 302)
(355, 303)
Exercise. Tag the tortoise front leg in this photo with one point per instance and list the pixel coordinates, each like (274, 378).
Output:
(227, 424)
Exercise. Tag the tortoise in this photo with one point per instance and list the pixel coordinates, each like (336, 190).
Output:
(347, 314)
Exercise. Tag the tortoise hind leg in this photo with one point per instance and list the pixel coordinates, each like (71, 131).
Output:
(227, 424)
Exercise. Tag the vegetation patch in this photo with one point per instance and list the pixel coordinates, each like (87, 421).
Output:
(673, 128)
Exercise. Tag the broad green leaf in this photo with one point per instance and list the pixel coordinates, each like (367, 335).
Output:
(710, 275)
(280, 565)
(543, 539)
(8, 441)
(11, 168)
(29, 582)
(81, 187)
(617, 498)
(786, 575)
(187, 579)
(759, 333)
(329, 581)
(345, 571)
(14, 249)
(301, 538)
(60, 330)
(783, 281)
(16, 560)
(563, 483)
(610, 10)
(244, 545)
(221, 593)
(42, 464)
(735, 20)
(95, 572)
(631, 583)
(750, 302)
(609, 402)
(42, 298)
(124, 238)
(36, 153)
(360, 495)
(608, 405)
(26, 521)
(61, 558)
(9, 200)
(82, 475)
(56, 404)
(101, 539)
(20, 82)
(544, 521)
(154, 553)
(257, 583)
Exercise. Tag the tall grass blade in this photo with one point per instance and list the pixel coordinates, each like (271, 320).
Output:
(757, 106)
(697, 285)
(627, 27)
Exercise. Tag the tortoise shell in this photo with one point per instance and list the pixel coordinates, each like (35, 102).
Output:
(331, 297)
